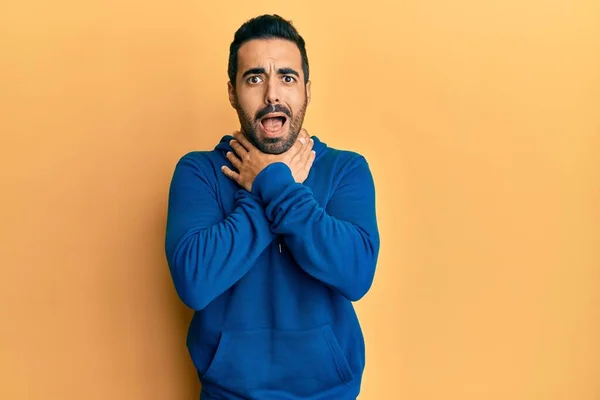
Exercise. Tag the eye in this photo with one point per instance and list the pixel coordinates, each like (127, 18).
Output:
(254, 80)
(289, 79)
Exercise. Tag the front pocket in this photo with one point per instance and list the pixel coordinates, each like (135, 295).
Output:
(296, 362)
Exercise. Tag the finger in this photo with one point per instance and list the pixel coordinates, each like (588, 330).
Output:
(236, 162)
(309, 147)
(297, 147)
(243, 141)
(305, 151)
(308, 137)
(302, 136)
(238, 148)
(311, 158)
(310, 144)
(229, 173)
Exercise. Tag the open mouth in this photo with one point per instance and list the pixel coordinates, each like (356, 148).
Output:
(273, 123)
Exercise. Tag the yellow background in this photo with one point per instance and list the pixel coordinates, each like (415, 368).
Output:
(480, 120)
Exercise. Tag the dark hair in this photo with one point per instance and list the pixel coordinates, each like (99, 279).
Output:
(265, 27)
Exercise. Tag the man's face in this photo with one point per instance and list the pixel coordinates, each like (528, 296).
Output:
(270, 96)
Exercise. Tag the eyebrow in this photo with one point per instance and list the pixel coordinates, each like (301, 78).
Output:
(280, 71)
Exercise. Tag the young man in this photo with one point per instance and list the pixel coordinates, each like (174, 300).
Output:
(271, 236)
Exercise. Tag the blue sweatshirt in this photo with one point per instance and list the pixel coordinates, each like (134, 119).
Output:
(271, 274)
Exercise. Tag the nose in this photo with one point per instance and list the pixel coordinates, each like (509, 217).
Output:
(272, 94)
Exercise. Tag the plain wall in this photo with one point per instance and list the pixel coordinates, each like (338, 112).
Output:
(480, 120)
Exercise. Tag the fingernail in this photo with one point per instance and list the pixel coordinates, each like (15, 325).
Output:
(302, 140)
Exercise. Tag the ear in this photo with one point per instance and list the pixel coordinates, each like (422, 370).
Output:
(231, 93)
(308, 93)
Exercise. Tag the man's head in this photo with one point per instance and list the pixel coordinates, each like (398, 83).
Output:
(268, 82)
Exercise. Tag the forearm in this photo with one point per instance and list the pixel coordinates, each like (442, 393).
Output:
(208, 252)
(339, 247)
(335, 252)
(205, 262)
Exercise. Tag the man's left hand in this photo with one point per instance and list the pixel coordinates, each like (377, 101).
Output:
(250, 161)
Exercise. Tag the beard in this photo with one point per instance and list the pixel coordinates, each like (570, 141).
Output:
(250, 126)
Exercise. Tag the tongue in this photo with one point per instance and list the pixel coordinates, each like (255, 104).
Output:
(272, 124)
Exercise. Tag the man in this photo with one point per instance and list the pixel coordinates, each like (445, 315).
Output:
(271, 236)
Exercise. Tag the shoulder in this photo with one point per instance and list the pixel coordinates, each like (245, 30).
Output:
(344, 160)
(201, 158)
(196, 157)
(202, 163)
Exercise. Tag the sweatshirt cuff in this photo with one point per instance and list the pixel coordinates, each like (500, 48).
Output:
(271, 181)
(243, 195)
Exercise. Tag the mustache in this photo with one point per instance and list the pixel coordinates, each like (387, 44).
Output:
(273, 108)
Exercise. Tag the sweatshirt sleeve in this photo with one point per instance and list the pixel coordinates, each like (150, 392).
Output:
(337, 245)
(208, 252)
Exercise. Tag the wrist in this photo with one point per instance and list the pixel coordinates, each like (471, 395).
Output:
(271, 181)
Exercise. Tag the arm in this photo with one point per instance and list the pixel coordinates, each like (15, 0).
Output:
(207, 252)
(338, 245)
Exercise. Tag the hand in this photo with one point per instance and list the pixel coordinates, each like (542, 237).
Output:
(249, 161)
(300, 157)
